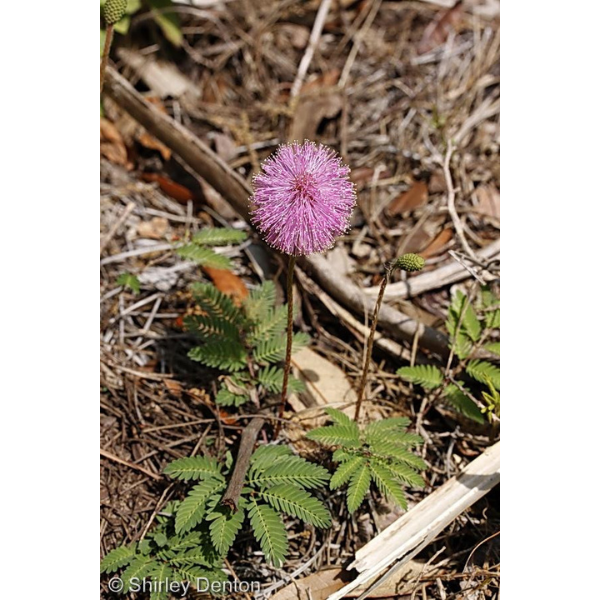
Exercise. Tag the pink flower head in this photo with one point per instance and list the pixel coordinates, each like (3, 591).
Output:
(303, 200)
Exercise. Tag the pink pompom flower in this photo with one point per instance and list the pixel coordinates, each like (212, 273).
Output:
(303, 200)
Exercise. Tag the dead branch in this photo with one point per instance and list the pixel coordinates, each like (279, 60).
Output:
(236, 483)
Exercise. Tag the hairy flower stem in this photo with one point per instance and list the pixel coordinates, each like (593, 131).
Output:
(363, 379)
(288, 348)
(107, 44)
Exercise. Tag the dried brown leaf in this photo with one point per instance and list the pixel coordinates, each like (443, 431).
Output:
(437, 32)
(414, 197)
(437, 243)
(228, 283)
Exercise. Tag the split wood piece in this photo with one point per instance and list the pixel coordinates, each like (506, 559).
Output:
(431, 280)
(237, 192)
(417, 528)
(236, 483)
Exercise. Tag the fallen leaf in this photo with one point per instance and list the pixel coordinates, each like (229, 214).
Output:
(326, 384)
(414, 197)
(169, 187)
(325, 80)
(150, 142)
(228, 283)
(174, 387)
(437, 32)
(310, 111)
(225, 146)
(437, 243)
(112, 146)
(488, 201)
(361, 175)
(320, 585)
(155, 229)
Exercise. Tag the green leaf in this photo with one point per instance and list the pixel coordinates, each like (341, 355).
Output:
(271, 326)
(402, 471)
(298, 503)
(192, 509)
(264, 456)
(273, 350)
(271, 378)
(204, 256)
(290, 469)
(139, 568)
(227, 355)
(269, 531)
(462, 403)
(427, 376)
(210, 328)
(117, 558)
(167, 20)
(480, 369)
(359, 486)
(492, 319)
(388, 448)
(386, 482)
(217, 236)
(493, 347)
(226, 397)
(224, 528)
(345, 471)
(385, 426)
(162, 575)
(260, 301)
(194, 467)
(470, 323)
(341, 418)
(130, 281)
(216, 304)
(336, 435)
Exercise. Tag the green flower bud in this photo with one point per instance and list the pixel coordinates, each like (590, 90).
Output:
(410, 262)
(114, 11)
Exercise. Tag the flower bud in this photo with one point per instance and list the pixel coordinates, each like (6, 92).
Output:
(114, 11)
(410, 262)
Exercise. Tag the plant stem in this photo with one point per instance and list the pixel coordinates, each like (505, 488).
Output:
(236, 483)
(363, 379)
(105, 53)
(288, 348)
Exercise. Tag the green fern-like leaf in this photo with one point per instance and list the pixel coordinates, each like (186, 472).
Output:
(264, 456)
(226, 397)
(227, 355)
(137, 570)
(161, 576)
(273, 350)
(192, 509)
(224, 526)
(341, 418)
(387, 448)
(359, 486)
(216, 304)
(462, 403)
(290, 469)
(259, 302)
(269, 531)
(480, 369)
(386, 482)
(177, 544)
(217, 236)
(336, 435)
(386, 426)
(117, 558)
(297, 502)
(271, 378)
(493, 347)
(426, 376)
(272, 325)
(345, 471)
(195, 574)
(204, 257)
(194, 467)
(470, 323)
(401, 471)
(212, 329)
